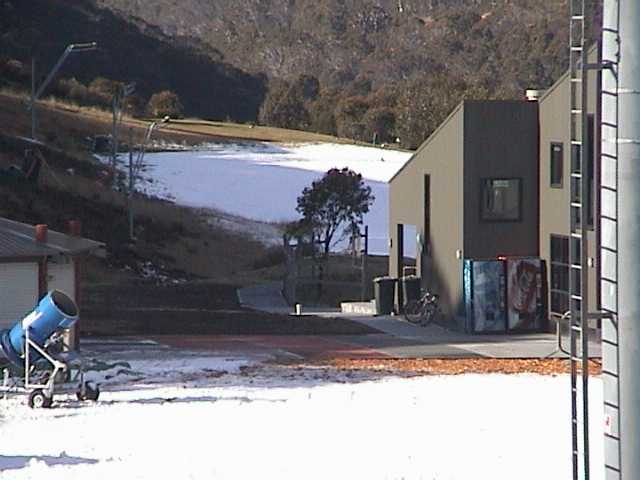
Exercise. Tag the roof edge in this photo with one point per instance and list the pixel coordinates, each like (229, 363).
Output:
(565, 75)
(429, 139)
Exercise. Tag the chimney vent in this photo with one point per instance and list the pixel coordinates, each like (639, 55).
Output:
(75, 228)
(41, 233)
(533, 95)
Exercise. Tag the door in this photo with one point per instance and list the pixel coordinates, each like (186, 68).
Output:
(426, 258)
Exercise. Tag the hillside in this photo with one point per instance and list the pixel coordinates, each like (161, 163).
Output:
(360, 69)
(365, 68)
(511, 44)
(177, 241)
(208, 87)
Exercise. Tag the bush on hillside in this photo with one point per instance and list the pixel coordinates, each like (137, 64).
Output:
(13, 70)
(380, 122)
(349, 116)
(134, 105)
(73, 90)
(101, 91)
(165, 103)
(284, 107)
(321, 115)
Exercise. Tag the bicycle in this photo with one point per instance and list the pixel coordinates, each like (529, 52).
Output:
(422, 311)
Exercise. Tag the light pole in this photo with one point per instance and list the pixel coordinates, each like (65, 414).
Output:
(35, 94)
(119, 97)
(135, 167)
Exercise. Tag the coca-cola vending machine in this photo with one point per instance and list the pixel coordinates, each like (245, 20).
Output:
(525, 308)
(504, 295)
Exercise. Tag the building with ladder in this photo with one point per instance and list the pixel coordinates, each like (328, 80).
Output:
(588, 219)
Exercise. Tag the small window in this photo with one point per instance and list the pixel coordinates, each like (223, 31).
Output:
(501, 199)
(560, 249)
(560, 271)
(557, 157)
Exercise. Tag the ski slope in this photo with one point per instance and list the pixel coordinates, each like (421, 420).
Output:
(262, 181)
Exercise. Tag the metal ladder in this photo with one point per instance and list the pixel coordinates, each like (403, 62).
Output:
(578, 241)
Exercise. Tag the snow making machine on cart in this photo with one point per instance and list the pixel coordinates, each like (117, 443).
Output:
(34, 359)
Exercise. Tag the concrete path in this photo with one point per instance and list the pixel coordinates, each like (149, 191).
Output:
(406, 340)
(401, 339)
(266, 297)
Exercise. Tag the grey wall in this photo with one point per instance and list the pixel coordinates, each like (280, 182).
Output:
(441, 157)
(501, 141)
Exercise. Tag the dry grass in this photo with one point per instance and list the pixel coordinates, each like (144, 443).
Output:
(250, 132)
(176, 237)
(189, 130)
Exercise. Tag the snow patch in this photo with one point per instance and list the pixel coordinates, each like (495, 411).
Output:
(261, 181)
(287, 423)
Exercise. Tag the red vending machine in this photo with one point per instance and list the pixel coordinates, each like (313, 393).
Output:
(525, 306)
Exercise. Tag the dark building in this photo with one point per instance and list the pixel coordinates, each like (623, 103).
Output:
(471, 191)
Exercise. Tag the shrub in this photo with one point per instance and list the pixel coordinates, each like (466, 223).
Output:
(101, 91)
(284, 107)
(380, 122)
(349, 116)
(74, 90)
(165, 103)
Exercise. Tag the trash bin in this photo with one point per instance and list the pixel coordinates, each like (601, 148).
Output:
(410, 288)
(385, 291)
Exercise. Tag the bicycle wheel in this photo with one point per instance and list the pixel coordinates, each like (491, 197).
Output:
(430, 312)
(413, 311)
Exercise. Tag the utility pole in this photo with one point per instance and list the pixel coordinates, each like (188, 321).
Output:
(35, 94)
(114, 134)
(136, 167)
(118, 98)
(33, 97)
(131, 185)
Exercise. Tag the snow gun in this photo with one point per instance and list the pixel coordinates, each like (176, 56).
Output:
(32, 346)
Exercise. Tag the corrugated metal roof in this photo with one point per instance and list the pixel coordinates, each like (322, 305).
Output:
(17, 240)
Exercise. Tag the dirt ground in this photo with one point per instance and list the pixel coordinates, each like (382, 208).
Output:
(433, 366)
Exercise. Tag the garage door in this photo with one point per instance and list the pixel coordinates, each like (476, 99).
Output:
(61, 277)
(18, 291)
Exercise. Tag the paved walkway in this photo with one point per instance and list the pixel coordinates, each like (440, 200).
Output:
(266, 297)
(401, 339)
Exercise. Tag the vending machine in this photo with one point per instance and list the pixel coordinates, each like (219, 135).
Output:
(504, 295)
(525, 310)
(485, 296)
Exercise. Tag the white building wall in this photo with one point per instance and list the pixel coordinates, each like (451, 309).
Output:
(18, 291)
(61, 276)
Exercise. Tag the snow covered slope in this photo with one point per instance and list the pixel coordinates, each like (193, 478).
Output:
(263, 181)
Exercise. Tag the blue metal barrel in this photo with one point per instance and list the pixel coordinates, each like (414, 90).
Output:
(55, 311)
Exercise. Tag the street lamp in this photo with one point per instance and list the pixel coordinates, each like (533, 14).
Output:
(35, 94)
(136, 167)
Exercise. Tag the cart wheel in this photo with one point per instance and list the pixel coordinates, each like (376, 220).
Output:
(90, 392)
(37, 399)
